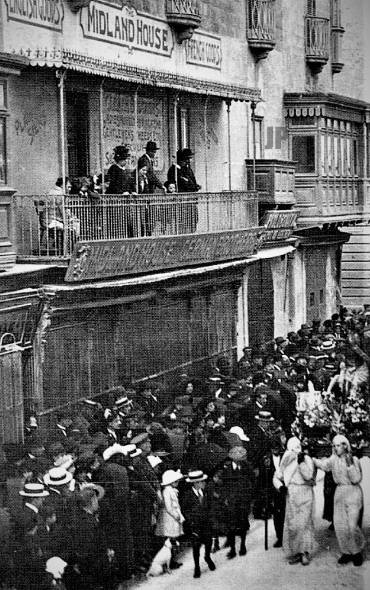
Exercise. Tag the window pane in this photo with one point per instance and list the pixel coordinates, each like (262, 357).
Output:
(303, 152)
(2, 152)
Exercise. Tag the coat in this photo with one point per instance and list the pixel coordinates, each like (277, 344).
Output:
(170, 518)
(120, 180)
(196, 513)
(186, 182)
(114, 514)
(238, 486)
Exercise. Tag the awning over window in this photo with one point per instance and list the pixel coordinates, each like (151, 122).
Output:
(71, 60)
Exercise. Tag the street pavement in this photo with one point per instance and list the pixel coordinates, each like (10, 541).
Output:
(261, 569)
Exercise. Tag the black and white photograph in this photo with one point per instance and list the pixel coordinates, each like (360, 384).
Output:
(184, 294)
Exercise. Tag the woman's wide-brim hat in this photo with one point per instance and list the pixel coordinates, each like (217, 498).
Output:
(237, 454)
(121, 152)
(34, 490)
(170, 476)
(264, 416)
(195, 476)
(57, 476)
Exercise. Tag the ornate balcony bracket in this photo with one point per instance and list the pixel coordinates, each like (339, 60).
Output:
(261, 31)
(184, 17)
(75, 5)
(317, 43)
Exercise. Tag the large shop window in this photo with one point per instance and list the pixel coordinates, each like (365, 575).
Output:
(303, 152)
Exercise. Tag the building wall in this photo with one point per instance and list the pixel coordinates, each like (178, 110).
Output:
(33, 131)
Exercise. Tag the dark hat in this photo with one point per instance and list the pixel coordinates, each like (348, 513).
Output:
(184, 154)
(121, 152)
(280, 340)
(151, 146)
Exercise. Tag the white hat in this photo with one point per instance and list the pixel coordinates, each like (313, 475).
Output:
(131, 450)
(239, 432)
(194, 476)
(170, 476)
(34, 490)
(115, 449)
(99, 490)
(57, 476)
(65, 461)
(55, 566)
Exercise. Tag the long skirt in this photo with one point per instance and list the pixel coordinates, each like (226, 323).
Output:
(347, 505)
(298, 536)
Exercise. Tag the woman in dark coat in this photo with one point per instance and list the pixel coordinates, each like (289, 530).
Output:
(143, 502)
(238, 479)
(114, 513)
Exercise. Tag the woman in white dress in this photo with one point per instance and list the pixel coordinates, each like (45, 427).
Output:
(296, 477)
(348, 499)
(170, 518)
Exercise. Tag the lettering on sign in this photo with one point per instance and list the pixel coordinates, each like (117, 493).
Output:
(110, 258)
(119, 125)
(127, 28)
(204, 50)
(41, 13)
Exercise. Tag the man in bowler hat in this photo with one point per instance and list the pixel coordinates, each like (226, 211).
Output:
(147, 160)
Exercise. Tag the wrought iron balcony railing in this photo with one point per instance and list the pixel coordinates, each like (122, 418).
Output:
(50, 226)
(317, 42)
(184, 16)
(261, 29)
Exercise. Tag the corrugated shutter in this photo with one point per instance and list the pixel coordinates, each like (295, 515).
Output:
(11, 399)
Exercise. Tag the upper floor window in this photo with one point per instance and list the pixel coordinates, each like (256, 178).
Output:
(303, 152)
(311, 7)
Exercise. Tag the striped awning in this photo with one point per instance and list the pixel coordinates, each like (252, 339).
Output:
(73, 60)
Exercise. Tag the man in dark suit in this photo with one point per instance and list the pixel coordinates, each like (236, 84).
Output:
(147, 160)
(29, 567)
(195, 508)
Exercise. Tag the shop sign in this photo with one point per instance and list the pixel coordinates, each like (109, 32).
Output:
(204, 50)
(119, 125)
(127, 28)
(112, 258)
(41, 13)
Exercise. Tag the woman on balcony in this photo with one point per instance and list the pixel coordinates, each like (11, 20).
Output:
(122, 182)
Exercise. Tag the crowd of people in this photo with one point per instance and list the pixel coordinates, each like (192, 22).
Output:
(91, 501)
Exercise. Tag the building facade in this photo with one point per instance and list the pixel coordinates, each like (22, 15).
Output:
(279, 131)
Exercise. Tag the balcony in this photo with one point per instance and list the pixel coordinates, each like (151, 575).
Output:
(329, 200)
(118, 236)
(317, 42)
(184, 16)
(261, 30)
(275, 181)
